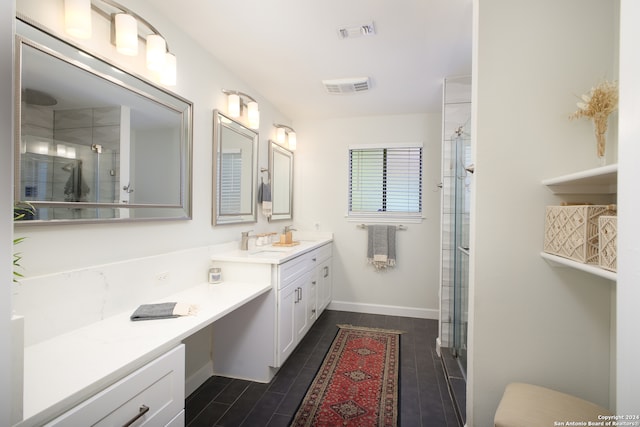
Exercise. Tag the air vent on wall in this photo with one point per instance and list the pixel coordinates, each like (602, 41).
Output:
(350, 85)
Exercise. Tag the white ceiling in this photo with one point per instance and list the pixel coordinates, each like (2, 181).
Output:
(283, 49)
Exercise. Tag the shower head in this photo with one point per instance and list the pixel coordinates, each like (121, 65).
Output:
(37, 97)
(68, 167)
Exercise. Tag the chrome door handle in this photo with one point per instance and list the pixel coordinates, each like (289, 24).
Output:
(143, 410)
(326, 271)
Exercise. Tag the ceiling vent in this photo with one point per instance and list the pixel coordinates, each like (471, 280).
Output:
(357, 30)
(350, 85)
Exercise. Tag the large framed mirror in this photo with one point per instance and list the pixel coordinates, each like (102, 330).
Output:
(235, 165)
(94, 143)
(281, 170)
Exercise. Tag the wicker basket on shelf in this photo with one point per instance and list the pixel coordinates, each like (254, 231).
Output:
(573, 231)
(608, 252)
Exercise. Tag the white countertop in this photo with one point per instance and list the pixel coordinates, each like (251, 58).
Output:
(64, 371)
(269, 254)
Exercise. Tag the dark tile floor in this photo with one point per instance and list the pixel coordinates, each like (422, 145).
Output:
(424, 395)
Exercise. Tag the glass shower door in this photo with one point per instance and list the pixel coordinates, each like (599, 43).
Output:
(461, 246)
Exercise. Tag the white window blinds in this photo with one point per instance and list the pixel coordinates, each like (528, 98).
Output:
(385, 181)
(230, 183)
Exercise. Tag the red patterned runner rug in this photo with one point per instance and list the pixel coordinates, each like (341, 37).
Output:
(357, 384)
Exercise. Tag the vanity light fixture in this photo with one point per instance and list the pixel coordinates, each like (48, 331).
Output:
(235, 103)
(286, 134)
(125, 24)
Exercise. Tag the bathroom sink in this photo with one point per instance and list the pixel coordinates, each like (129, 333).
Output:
(269, 252)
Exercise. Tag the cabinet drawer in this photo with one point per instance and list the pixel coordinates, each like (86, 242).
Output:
(158, 386)
(293, 268)
(323, 252)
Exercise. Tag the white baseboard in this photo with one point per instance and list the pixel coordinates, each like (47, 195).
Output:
(389, 310)
(198, 378)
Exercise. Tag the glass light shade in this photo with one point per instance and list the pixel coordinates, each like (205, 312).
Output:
(253, 115)
(233, 105)
(126, 34)
(292, 141)
(156, 52)
(281, 135)
(77, 18)
(169, 73)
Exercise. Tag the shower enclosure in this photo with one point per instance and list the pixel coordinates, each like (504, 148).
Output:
(460, 244)
(456, 181)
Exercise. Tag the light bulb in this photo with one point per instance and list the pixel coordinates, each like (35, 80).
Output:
(126, 34)
(292, 141)
(77, 18)
(233, 105)
(169, 72)
(156, 52)
(281, 135)
(253, 115)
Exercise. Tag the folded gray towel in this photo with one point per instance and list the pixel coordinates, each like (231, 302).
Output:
(154, 311)
(163, 310)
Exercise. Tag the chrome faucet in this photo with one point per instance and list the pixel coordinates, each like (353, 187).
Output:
(244, 242)
(288, 228)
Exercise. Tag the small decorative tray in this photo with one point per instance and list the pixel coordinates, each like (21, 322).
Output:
(286, 244)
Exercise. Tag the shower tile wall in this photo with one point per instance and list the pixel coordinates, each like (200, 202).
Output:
(54, 135)
(456, 113)
(94, 126)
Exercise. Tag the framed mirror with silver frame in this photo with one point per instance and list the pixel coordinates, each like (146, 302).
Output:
(235, 164)
(93, 142)
(281, 170)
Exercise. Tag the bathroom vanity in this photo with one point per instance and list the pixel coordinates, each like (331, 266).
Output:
(301, 280)
(94, 364)
(110, 371)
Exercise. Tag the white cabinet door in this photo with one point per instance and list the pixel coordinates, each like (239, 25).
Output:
(303, 306)
(312, 303)
(286, 322)
(325, 285)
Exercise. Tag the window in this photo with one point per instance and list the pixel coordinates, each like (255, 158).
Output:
(230, 183)
(385, 182)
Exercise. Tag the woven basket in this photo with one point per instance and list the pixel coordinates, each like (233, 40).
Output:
(572, 231)
(608, 242)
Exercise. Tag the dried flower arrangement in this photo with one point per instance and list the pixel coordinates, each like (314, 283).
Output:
(598, 104)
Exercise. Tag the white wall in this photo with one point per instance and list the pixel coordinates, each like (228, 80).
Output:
(6, 202)
(530, 321)
(50, 249)
(628, 371)
(321, 170)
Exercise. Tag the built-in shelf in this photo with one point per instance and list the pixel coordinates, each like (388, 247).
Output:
(593, 269)
(602, 180)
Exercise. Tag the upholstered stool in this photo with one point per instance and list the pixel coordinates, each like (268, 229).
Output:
(526, 405)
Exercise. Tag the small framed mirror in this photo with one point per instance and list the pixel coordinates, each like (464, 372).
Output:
(235, 163)
(281, 170)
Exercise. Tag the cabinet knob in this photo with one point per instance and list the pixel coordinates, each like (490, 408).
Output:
(143, 410)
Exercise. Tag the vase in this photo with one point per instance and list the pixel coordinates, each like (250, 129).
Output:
(600, 125)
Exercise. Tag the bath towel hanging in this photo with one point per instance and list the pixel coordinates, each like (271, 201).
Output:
(381, 246)
(264, 197)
